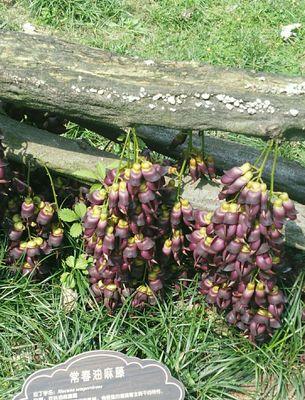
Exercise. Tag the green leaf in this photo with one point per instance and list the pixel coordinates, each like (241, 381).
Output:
(90, 260)
(64, 277)
(76, 229)
(87, 174)
(101, 171)
(80, 209)
(141, 143)
(96, 186)
(70, 282)
(116, 148)
(113, 164)
(67, 215)
(121, 137)
(81, 262)
(70, 261)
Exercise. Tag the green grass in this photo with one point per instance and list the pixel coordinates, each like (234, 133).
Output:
(212, 360)
(224, 32)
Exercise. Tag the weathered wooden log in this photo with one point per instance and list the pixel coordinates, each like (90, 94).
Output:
(31, 146)
(27, 144)
(97, 89)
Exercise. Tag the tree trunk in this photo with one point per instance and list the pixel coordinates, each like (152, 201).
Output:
(27, 144)
(96, 88)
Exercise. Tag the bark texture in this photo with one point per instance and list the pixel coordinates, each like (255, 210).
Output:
(27, 144)
(101, 89)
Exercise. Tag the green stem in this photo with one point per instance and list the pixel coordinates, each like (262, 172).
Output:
(128, 154)
(127, 140)
(28, 179)
(183, 166)
(202, 143)
(135, 145)
(190, 144)
(276, 152)
(254, 276)
(180, 176)
(54, 193)
(262, 167)
(29, 232)
(260, 156)
(52, 187)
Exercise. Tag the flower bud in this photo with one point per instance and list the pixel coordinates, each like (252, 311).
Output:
(150, 172)
(97, 197)
(135, 175)
(113, 195)
(121, 229)
(32, 249)
(56, 237)
(45, 214)
(27, 208)
(17, 231)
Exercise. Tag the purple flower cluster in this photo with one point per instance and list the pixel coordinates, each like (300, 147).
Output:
(33, 234)
(238, 248)
(200, 167)
(133, 232)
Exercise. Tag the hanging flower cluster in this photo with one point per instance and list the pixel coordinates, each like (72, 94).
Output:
(200, 165)
(238, 248)
(133, 233)
(34, 230)
(33, 234)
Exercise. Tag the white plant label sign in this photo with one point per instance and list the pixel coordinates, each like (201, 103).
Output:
(103, 375)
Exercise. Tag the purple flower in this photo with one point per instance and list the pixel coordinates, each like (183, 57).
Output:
(176, 214)
(32, 248)
(150, 172)
(45, 214)
(113, 195)
(276, 297)
(278, 210)
(56, 237)
(234, 173)
(135, 175)
(97, 197)
(131, 250)
(109, 239)
(17, 231)
(239, 183)
(146, 195)
(193, 169)
(167, 247)
(247, 293)
(102, 224)
(27, 208)
(92, 217)
(121, 229)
